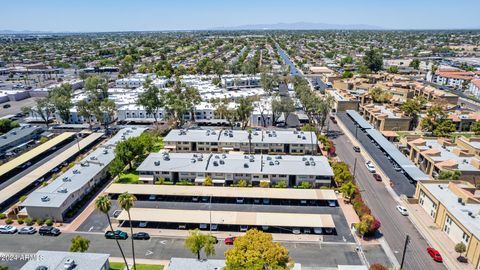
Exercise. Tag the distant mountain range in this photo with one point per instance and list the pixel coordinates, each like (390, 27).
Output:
(301, 26)
(21, 32)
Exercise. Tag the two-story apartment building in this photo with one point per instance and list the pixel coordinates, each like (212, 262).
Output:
(257, 141)
(385, 117)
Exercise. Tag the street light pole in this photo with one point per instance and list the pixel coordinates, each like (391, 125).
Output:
(407, 240)
(354, 168)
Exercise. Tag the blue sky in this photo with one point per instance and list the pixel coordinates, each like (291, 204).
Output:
(123, 15)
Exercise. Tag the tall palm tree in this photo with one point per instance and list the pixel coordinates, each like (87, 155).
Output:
(103, 204)
(126, 202)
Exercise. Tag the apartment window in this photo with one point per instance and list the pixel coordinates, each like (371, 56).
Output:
(465, 237)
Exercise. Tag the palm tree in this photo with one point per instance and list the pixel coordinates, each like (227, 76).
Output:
(103, 204)
(126, 202)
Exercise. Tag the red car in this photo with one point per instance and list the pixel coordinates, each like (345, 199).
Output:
(377, 177)
(435, 254)
(229, 240)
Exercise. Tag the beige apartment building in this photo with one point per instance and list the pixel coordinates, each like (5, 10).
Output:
(385, 117)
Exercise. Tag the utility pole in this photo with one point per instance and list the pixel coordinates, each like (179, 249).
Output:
(407, 240)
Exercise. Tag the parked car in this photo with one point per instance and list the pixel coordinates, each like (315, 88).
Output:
(307, 230)
(27, 230)
(356, 149)
(229, 240)
(118, 234)
(296, 231)
(266, 201)
(152, 198)
(7, 229)
(6, 106)
(434, 254)
(143, 224)
(370, 166)
(317, 230)
(141, 236)
(240, 200)
(203, 226)
(49, 230)
(402, 210)
(328, 230)
(243, 228)
(205, 198)
(377, 177)
(331, 203)
(195, 199)
(213, 227)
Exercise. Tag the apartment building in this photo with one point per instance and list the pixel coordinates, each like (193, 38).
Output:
(228, 169)
(470, 144)
(474, 88)
(463, 119)
(62, 194)
(343, 100)
(16, 138)
(230, 82)
(385, 117)
(260, 141)
(453, 78)
(455, 207)
(434, 155)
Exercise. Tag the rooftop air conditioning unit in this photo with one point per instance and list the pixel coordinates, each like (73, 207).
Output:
(215, 163)
(156, 163)
(222, 161)
(45, 199)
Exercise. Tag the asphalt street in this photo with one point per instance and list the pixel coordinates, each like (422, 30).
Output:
(307, 254)
(395, 227)
(97, 222)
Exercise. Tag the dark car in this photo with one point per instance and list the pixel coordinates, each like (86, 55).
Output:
(356, 149)
(116, 234)
(6, 106)
(435, 254)
(141, 236)
(49, 231)
(377, 177)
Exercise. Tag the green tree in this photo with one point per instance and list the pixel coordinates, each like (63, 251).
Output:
(126, 201)
(415, 64)
(197, 241)
(61, 98)
(393, 69)
(193, 98)
(244, 110)
(6, 125)
(444, 128)
(86, 110)
(103, 204)
(460, 248)
(373, 60)
(96, 87)
(412, 108)
(79, 244)
(475, 127)
(126, 66)
(282, 105)
(256, 251)
(449, 175)
(116, 167)
(348, 190)
(347, 74)
(361, 227)
(380, 95)
(152, 99)
(45, 109)
(106, 112)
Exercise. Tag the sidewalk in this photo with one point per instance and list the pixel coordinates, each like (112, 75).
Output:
(170, 233)
(140, 261)
(440, 240)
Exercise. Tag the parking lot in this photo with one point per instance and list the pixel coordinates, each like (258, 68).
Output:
(97, 221)
(401, 184)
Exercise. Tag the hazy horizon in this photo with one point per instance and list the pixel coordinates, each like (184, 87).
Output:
(146, 15)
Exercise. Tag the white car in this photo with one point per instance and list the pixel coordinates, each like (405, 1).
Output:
(317, 230)
(27, 230)
(296, 231)
(7, 229)
(370, 166)
(402, 210)
(332, 203)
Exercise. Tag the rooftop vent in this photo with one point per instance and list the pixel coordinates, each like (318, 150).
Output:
(193, 160)
(311, 158)
(313, 163)
(224, 156)
(41, 267)
(217, 156)
(166, 157)
(304, 138)
(278, 157)
(245, 165)
(93, 158)
(271, 163)
(222, 161)
(307, 163)
(215, 163)
(69, 264)
(156, 162)
(105, 151)
(62, 190)
(45, 199)
(277, 162)
(304, 158)
(76, 171)
(66, 179)
(269, 158)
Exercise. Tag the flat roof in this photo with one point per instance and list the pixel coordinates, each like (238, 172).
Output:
(407, 165)
(12, 164)
(80, 174)
(229, 217)
(235, 163)
(447, 154)
(17, 133)
(359, 119)
(39, 172)
(230, 192)
(241, 136)
(450, 200)
(57, 259)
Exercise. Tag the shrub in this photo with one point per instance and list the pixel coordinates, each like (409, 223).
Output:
(305, 185)
(280, 184)
(264, 184)
(23, 198)
(28, 221)
(40, 222)
(3, 216)
(20, 221)
(184, 182)
(49, 222)
(208, 181)
(242, 183)
(374, 226)
(8, 221)
(377, 266)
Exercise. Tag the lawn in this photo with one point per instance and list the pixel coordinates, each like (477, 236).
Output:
(128, 178)
(117, 266)
(149, 267)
